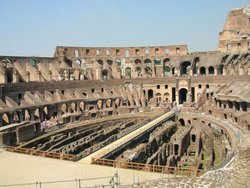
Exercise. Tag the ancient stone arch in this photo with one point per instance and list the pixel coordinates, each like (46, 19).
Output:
(166, 96)
(202, 71)
(128, 72)
(211, 70)
(185, 68)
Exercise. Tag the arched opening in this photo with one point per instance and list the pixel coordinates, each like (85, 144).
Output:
(230, 104)
(137, 61)
(9, 75)
(202, 71)
(185, 68)
(166, 67)
(166, 61)
(128, 72)
(63, 108)
(211, 70)
(109, 62)
(105, 74)
(181, 122)
(138, 71)
(147, 62)
(166, 96)
(237, 106)
(150, 94)
(148, 71)
(244, 106)
(100, 62)
(108, 103)
(6, 120)
(158, 97)
(196, 60)
(182, 95)
(157, 61)
(166, 71)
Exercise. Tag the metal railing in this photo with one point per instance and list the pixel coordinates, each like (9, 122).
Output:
(41, 153)
(108, 181)
(148, 167)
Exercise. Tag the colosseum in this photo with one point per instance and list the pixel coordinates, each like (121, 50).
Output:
(163, 115)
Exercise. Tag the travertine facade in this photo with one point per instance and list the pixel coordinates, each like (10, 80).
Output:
(236, 33)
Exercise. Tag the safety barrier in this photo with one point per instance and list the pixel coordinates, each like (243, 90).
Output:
(108, 181)
(41, 153)
(148, 167)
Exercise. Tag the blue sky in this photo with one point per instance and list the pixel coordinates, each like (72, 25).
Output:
(36, 27)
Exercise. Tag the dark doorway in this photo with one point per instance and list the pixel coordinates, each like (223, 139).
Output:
(182, 122)
(176, 149)
(173, 94)
(193, 94)
(182, 95)
(150, 94)
(211, 70)
(193, 138)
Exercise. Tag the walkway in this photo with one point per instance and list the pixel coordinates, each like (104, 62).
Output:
(20, 168)
(107, 149)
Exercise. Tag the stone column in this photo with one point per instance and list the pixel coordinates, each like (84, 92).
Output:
(15, 76)
(78, 107)
(215, 71)
(50, 75)
(224, 71)
(3, 78)
(198, 70)
(27, 76)
(189, 93)
(191, 72)
(177, 91)
(146, 94)
(39, 76)
(241, 70)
